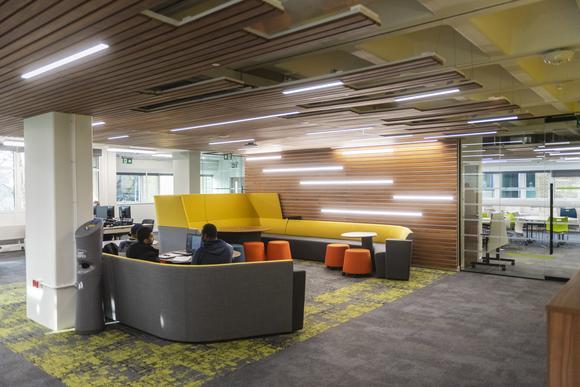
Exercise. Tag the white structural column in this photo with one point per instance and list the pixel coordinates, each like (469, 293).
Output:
(186, 172)
(58, 174)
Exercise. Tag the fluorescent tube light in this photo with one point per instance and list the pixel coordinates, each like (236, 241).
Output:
(19, 144)
(486, 155)
(163, 155)
(423, 197)
(369, 212)
(259, 158)
(493, 119)
(98, 123)
(130, 150)
(338, 131)
(382, 144)
(303, 169)
(118, 137)
(474, 150)
(557, 143)
(313, 87)
(63, 61)
(368, 151)
(558, 149)
(565, 154)
(427, 95)
(234, 121)
(495, 143)
(460, 135)
(397, 135)
(508, 160)
(571, 158)
(231, 141)
(346, 182)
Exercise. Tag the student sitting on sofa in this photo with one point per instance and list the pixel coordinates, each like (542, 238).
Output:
(143, 249)
(212, 250)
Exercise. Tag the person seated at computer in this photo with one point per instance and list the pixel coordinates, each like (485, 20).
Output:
(143, 249)
(212, 250)
(124, 245)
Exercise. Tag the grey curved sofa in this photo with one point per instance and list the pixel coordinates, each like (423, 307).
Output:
(204, 303)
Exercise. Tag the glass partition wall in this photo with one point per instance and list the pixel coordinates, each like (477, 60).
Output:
(521, 198)
(221, 173)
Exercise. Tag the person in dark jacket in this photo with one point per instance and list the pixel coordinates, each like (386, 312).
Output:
(212, 250)
(143, 249)
(124, 245)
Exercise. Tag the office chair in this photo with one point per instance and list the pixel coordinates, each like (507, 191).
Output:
(111, 248)
(560, 227)
(148, 223)
(494, 241)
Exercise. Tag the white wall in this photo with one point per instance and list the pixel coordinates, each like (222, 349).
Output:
(12, 225)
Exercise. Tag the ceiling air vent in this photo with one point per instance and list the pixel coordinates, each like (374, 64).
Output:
(180, 12)
(177, 85)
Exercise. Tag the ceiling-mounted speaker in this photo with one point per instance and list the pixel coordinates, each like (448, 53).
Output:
(558, 57)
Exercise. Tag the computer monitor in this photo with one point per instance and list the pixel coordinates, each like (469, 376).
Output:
(110, 212)
(125, 212)
(101, 212)
(193, 242)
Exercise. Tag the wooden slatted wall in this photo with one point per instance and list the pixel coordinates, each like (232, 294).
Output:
(417, 169)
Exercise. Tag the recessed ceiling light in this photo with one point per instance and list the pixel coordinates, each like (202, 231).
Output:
(339, 131)
(234, 121)
(64, 61)
(427, 95)
(19, 144)
(313, 87)
(98, 123)
(460, 135)
(216, 64)
(118, 137)
(339, 211)
(493, 119)
(131, 150)
(303, 169)
(231, 141)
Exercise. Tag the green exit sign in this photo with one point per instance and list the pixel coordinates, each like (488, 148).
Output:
(126, 160)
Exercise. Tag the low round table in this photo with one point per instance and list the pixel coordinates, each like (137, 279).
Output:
(366, 241)
(239, 235)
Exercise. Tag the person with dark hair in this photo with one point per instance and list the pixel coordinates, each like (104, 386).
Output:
(143, 249)
(212, 250)
(124, 245)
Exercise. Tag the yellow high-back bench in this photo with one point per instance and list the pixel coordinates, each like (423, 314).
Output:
(177, 214)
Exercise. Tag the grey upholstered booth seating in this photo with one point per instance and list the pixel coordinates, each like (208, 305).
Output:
(204, 303)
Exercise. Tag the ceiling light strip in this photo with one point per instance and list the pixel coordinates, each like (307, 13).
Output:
(118, 137)
(339, 131)
(313, 87)
(66, 60)
(19, 144)
(235, 121)
(493, 119)
(130, 150)
(339, 211)
(427, 95)
(347, 182)
(304, 169)
(383, 144)
(231, 141)
(98, 123)
(569, 148)
(460, 135)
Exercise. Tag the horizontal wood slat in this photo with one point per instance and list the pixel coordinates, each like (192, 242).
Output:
(416, 169)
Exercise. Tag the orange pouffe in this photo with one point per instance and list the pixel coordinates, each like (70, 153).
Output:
(357, 261)
(334, 257)
(278, 250)
(255, 251)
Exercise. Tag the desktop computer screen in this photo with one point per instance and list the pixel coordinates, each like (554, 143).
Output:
(125, 212)
(193, 242)
(110, 212)
(101, 212)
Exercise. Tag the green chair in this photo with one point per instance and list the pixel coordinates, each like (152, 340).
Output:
(511, 220)
(560, 226)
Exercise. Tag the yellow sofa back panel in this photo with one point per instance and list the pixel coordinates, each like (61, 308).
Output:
(237, 222)
(228, 206)
(194, 206)
(266, 204)
(169, 211)
(275, 226)
(327, 229)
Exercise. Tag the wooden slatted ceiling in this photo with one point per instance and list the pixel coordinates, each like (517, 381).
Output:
(417, 169)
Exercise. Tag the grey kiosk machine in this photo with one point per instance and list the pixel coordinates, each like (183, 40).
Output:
(90, 317)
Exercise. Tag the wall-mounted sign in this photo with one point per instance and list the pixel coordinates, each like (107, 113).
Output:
(126, 160)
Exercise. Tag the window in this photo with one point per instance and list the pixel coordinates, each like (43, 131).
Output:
(142, 187)
(530, 185)
(221, 173)
(96, 160)
(11, 181)
(567, 187)
(487, 185)
(509, 185)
